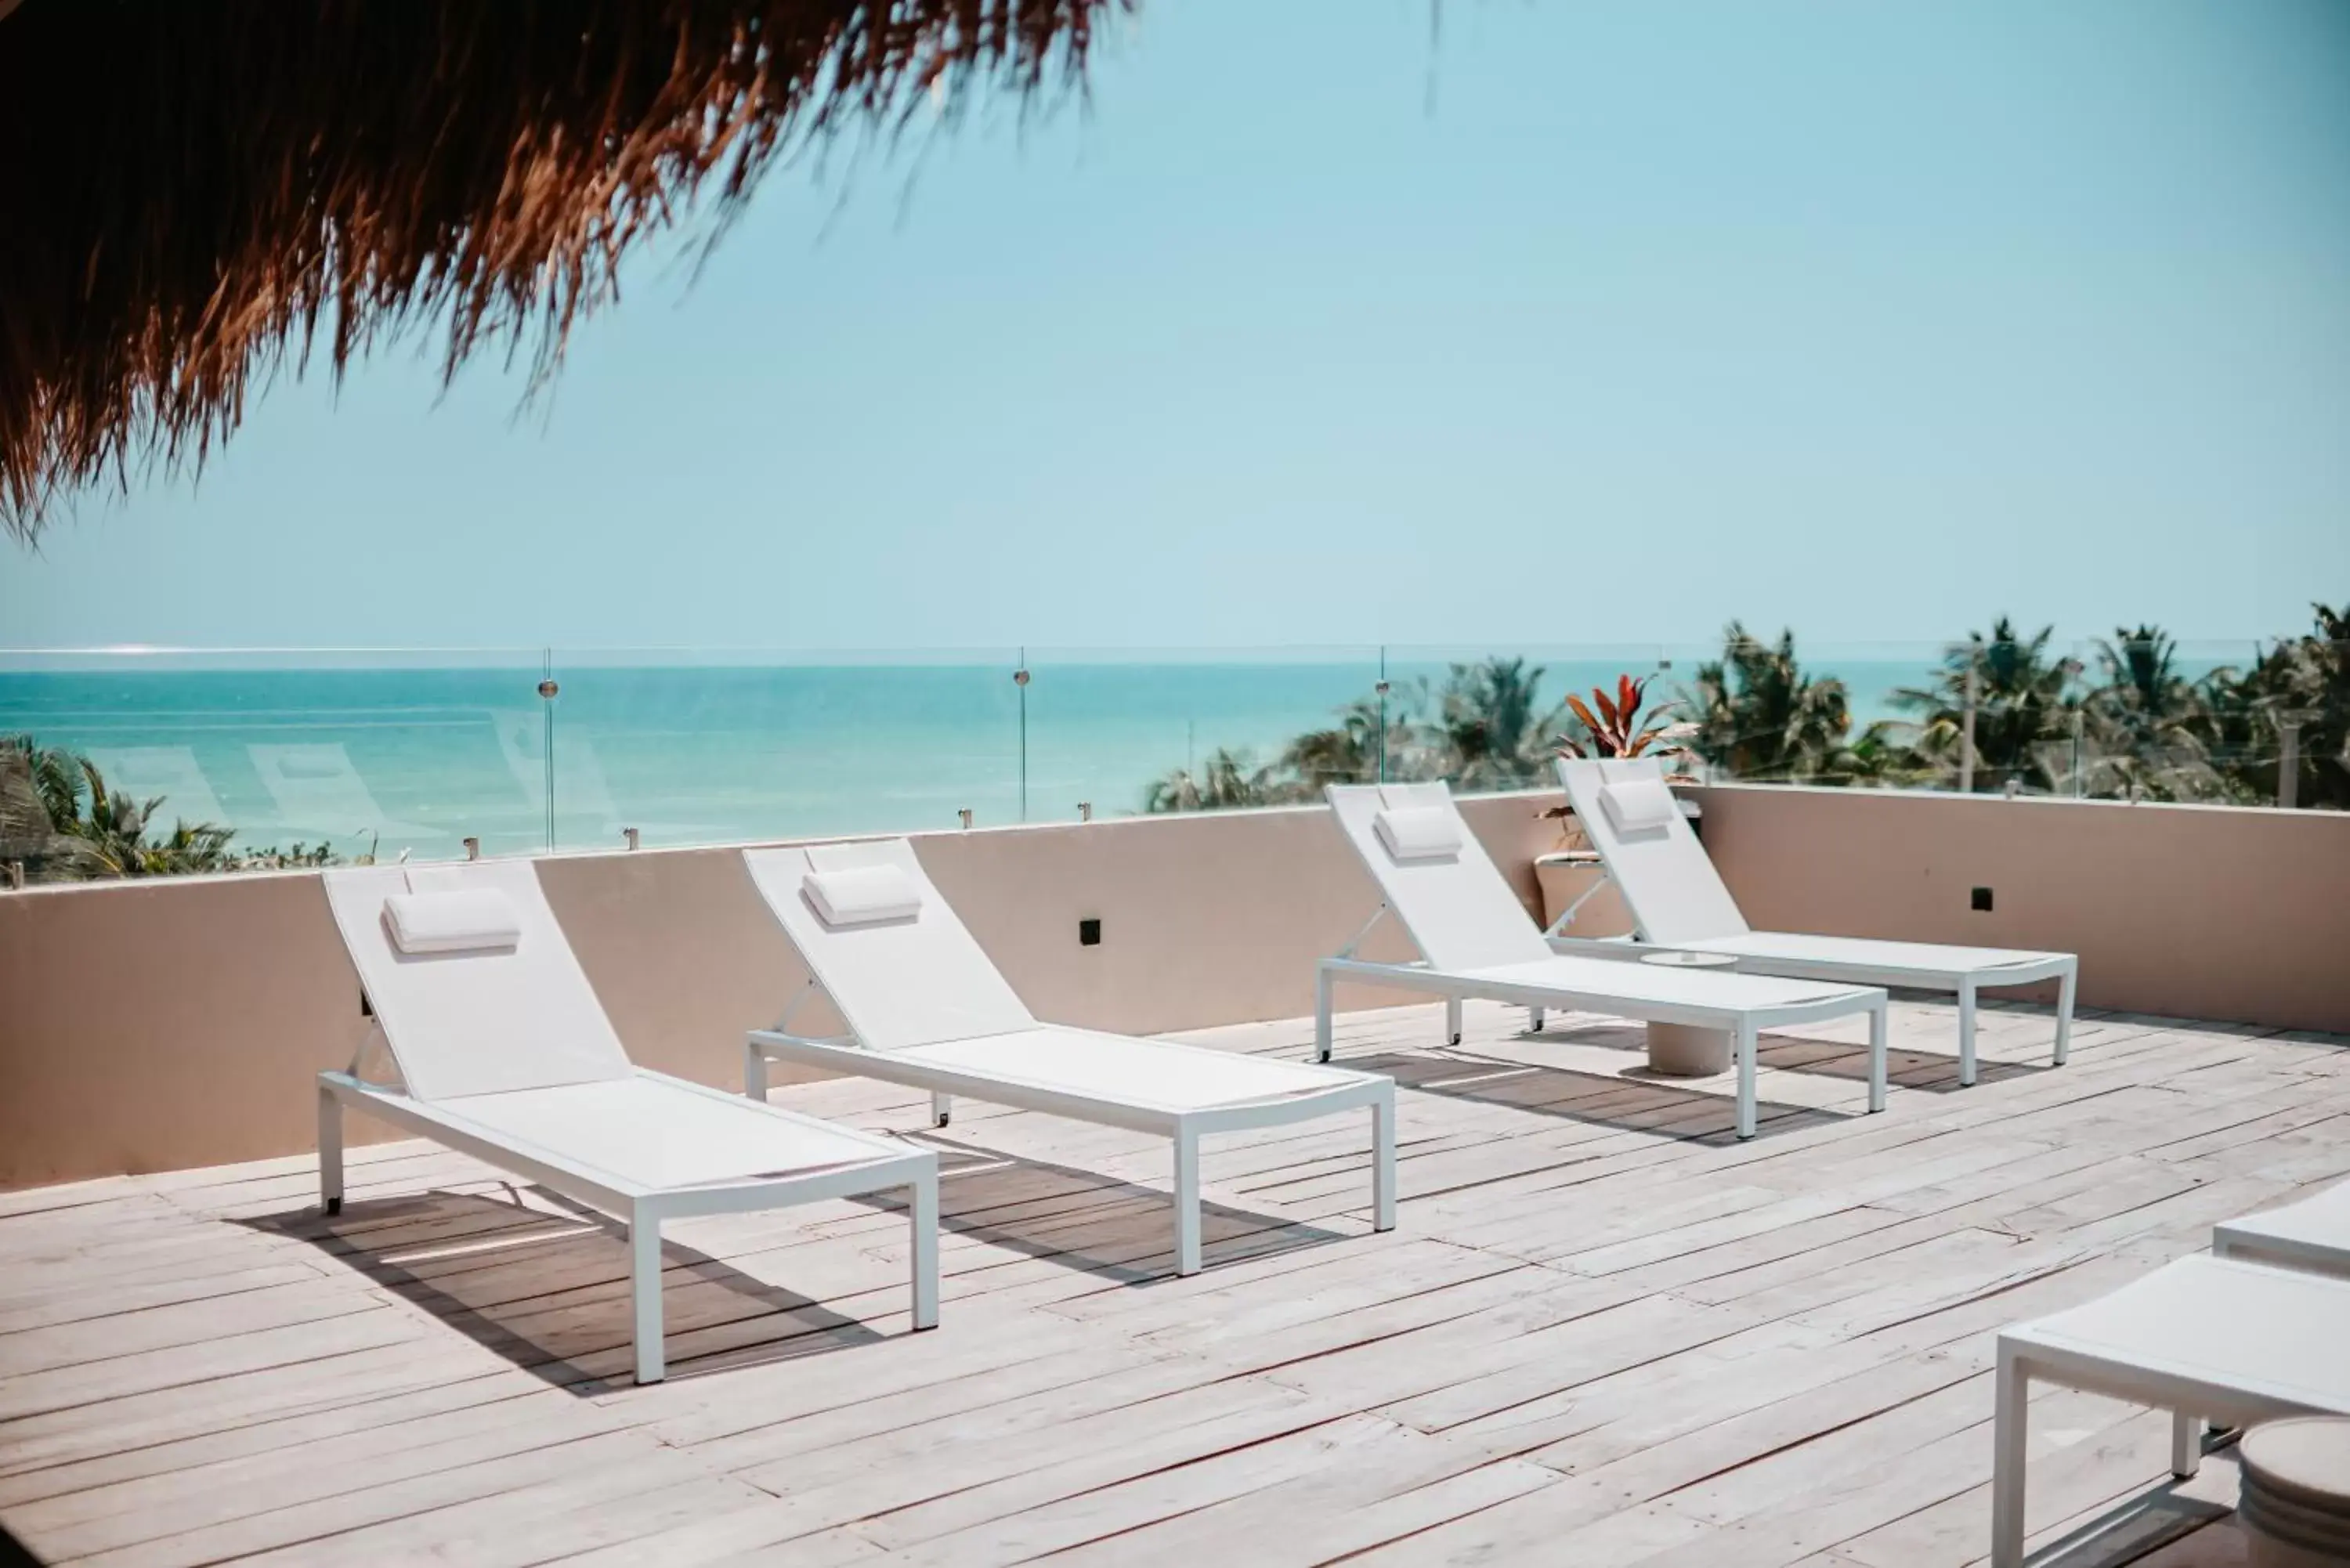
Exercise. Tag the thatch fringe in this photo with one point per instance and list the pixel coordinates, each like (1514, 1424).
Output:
(187, 189)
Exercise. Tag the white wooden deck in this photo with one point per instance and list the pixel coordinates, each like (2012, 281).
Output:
(1604, 1333)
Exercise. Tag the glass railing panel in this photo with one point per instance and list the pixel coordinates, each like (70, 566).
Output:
(715, 746)
(1126, 731)
(220, 761)
(1773, 707)
(1486, 718)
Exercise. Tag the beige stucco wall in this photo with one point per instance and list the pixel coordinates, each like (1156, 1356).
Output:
(156, 1026)
(159, 1025)
(2241, 916)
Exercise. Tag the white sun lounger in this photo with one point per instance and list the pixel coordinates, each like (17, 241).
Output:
(505, 1054)
(1476, 940)
(2203, 1338)
(2311, 1234)
(1678, 900)
(927, 1009)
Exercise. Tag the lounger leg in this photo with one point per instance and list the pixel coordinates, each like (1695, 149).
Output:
(330, 1150)
(2064, 988)
(941, 1110)
(1453, 1021)
(754, 1071)
(2013, 1399)
(1876, 1030)
(2186, 1444)
(1966, 1033)
(1321, 1015)
(922, 1208)
(645, 1290)
(1383, 1163)
(1745, 1078)
(1187, 1202)
(1533, 1020)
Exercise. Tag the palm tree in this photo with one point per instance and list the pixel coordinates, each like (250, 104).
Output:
(2299, 683)
(1490, 726)
(1231, 779)
(1348, 752)
(1758, 716)
(2142, 726)
(2022, 711)
(112, 828)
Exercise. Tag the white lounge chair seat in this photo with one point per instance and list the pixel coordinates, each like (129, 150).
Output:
(505, 1054)
(1605, 985)
(1785, 952)
(1123, 1070)
(2204, 1337)
(927, 1009)
(1477, 940)
(651, 1133)
(2313, 1233)
(1678, 900)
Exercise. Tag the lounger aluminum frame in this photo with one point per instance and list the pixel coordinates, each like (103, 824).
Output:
(916, 990)
(1462, 909)
(446, 1095)
(2313, 1233)
(1698, 915)
(2204, 1337)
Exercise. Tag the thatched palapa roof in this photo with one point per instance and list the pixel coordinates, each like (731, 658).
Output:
(192, 190)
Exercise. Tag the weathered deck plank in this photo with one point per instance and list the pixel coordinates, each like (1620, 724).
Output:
(1605, 1331)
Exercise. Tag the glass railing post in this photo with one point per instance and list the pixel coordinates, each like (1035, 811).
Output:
(1967, 727)
(1020, 680)
(546, 691)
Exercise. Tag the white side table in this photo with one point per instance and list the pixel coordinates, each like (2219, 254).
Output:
(1684, 1050)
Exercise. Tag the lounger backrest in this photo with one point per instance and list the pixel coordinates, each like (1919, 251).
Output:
(1667, 882)
(902, 981)
(1457, 906)
(482, 1022)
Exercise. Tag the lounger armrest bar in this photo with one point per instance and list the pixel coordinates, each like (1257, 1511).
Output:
(812, 1187)
(785, 1037)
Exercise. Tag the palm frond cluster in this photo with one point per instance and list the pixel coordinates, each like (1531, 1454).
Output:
(61, 822)
(195, 193)
(1486, 728)
(2125, 723)
(2007, 712)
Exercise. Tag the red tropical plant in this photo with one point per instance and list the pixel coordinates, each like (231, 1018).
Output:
(1617, 729)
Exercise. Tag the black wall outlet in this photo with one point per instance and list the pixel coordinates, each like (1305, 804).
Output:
(1981, 900)
(1088, 933)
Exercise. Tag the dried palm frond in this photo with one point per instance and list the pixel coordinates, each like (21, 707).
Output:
(190, 192)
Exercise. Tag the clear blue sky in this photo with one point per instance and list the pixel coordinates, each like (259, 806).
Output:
(1588, 323)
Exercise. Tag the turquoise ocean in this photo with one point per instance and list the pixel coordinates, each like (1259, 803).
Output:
(382, 758)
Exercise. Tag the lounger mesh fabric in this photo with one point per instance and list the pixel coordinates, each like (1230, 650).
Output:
(1670, 884)
(649, 1132)
(1459, 910)
(2311, 1233)
(1666, 879)
(479, 1021)
(901, 982)
(1120, 1066)
(925, 990)
(2237, 1325)
(1465, 919)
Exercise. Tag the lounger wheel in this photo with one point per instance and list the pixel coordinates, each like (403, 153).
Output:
(334, 1206)
(941, 1110)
